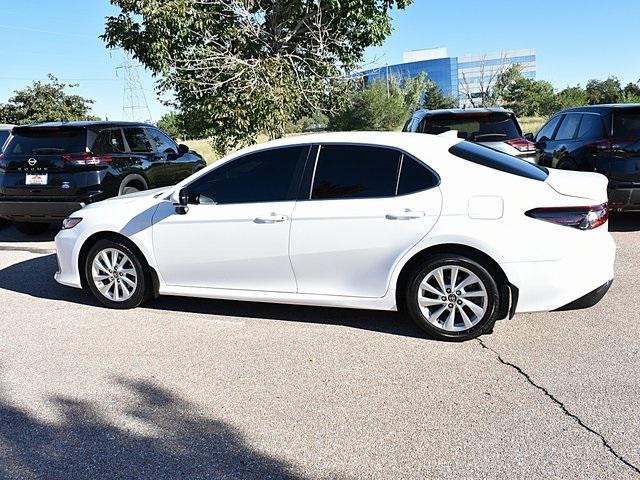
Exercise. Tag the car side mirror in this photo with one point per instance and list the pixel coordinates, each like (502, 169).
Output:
(529, 136)
(183, 149)
(180, 200)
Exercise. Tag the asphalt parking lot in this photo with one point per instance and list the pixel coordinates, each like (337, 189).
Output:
(190, 388)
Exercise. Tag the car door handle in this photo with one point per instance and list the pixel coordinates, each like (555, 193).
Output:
(407, 214)
(271, 218)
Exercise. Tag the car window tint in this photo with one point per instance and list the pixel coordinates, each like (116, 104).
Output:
(626, 124)
(590, 127)
(138, 140)
(46, 141)
(415, 176)
(480, 128)
(109, 141)
(265, 176)
(491, 158)
(547, 130)
(350, 171)
(568, 127)
(4, 134)
(163, 143)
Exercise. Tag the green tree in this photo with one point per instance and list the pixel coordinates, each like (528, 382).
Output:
(45, 102)
(572, 97)
(243, 67)
(379, 106)
(529, 97)
(433, 97)
(171, 124)
(604, 91)
(631, 93)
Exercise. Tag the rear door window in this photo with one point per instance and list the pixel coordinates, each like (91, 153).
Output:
(109, 141)
(474, 127)
(354, 171)
(138, 140)
(590, 127)
(491, 158)
(46, 141)
(547, 130)
(569, 126)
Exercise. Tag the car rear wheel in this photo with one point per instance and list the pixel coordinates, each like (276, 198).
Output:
(31, 228)
(452, 297)
(116, 275)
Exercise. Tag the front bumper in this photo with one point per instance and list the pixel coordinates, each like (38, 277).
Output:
(38, 211)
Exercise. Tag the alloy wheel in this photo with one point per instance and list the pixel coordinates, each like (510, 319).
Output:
(114, 274)
(452, 298)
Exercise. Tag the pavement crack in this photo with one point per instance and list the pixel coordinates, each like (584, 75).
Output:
(562, 406)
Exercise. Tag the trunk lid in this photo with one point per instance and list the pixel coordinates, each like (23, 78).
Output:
(621, 162)
(592, 187)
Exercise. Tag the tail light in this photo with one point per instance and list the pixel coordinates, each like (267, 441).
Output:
(84, 158)
(583, 218)
(598, 146)
(521, 144)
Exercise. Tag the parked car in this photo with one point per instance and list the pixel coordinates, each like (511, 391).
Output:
(598, 138)
(494, 127)
(445, 229)
(49, 170)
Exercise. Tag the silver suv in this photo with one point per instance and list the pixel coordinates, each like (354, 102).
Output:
(493, 127)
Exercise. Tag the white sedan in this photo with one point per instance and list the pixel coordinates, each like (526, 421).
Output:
(455, 234)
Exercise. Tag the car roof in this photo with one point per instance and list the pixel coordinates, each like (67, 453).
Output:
(423, 112)
(603, 108)
(86, 124)
(400, 140)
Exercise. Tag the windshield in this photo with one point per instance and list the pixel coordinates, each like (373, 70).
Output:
(46, 142)
(477, 128)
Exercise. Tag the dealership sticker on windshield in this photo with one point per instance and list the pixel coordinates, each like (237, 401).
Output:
(36, 179)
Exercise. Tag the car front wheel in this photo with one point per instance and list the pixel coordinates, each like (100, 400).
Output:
(116, 275)
(453, 297)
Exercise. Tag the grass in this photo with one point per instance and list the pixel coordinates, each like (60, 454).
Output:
(531, 124)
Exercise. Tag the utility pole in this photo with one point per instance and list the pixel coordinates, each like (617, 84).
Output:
(134, 102)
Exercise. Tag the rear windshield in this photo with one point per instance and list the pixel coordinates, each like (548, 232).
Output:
(491, 158)
(485, 128)
(626, 124)
(4, 134)
(47, 142)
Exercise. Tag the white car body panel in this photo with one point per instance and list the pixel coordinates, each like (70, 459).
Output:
(346, 253)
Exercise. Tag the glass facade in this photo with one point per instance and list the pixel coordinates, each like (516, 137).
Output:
(448, 72)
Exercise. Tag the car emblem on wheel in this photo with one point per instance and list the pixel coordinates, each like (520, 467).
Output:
(32, 162)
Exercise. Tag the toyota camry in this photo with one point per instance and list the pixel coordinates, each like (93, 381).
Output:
(455, 234)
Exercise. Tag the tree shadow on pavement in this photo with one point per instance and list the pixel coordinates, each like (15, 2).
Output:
(35, 277)
(624, 222)
(85, 444)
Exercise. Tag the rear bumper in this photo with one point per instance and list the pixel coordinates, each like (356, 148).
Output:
(35, 211)
(588, 300)
(623, 199)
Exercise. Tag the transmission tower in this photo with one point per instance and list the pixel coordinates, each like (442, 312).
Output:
(134, 102)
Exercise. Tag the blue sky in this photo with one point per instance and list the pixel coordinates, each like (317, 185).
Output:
(575, 41)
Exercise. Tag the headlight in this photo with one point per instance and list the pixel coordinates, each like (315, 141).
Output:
(70, 222)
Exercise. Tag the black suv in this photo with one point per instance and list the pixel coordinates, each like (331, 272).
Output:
(50, 170)
(494, 127)
(598, 138)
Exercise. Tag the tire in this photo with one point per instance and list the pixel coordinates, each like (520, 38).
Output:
(478, 300)
(32, 228)
(133, 285)
(129, 189)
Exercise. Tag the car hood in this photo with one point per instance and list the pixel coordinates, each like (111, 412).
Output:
(588, 185)
(128, 202)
